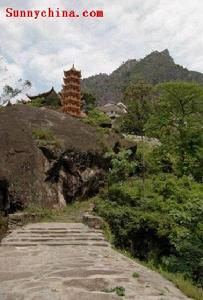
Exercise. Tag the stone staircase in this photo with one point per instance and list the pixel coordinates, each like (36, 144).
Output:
(70, 261)
(55, 234)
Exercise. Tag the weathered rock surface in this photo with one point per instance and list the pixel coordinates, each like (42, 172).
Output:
(47, 172)
(93, 221)
(70, 261)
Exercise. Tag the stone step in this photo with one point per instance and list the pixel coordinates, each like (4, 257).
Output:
(55, 237)
(34, 239)
(53, 243)
(28, 234)
(68, 263)
(81, 237)
(62, 229)
(57, 232)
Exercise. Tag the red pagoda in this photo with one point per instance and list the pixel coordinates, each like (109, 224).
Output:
(71, 93)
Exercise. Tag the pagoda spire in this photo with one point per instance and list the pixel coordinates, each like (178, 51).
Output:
(71, 92)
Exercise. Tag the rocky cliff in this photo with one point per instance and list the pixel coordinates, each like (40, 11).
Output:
(47, 158)
(155, 68)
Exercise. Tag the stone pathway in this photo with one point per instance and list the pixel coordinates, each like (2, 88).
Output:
(64, 261)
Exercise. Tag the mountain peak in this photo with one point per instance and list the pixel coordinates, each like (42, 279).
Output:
(155, 68)
(166, 52)
(163, 56)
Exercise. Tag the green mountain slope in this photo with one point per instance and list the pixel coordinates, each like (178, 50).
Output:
(155, 68)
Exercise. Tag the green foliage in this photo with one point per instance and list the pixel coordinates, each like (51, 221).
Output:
(158, 215)
(119, 290)
(138, 98)
(107, 231)
(38, 102)
(72, 213)
(121, 165)
(90, 101)
(51, 101)
(135, 275)
(2, 108)
(178, 121)
(46, 137)
(183, 284)
(96, 118)
(158, 220)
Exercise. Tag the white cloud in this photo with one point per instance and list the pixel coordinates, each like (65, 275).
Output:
(8, 75)
(41, 49)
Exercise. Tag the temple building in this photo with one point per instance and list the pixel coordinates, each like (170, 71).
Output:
(48, 99)
(71, 93)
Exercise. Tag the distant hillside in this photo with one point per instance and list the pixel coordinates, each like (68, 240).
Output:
(155, 68)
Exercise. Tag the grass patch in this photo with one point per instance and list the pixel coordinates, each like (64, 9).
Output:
(51, 101)
(107, 232)
(119, 290)
(38, 102)
(96, 118)
(71, 213)
(46, 137)
(99, 120)
(135, 275)
(2, 108)
(185, 285)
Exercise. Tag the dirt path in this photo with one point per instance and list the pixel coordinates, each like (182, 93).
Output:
(69, 261)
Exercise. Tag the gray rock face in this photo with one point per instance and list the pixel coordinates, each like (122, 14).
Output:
(63, 162)
(93, 221)
(73, 262)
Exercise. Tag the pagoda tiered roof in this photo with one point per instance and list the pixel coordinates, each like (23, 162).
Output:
(75, 81)
(71, 93)
(73, 73)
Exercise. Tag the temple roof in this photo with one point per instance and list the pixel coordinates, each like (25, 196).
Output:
(43, 95)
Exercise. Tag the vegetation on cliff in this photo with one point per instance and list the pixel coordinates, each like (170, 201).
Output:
(154, 202)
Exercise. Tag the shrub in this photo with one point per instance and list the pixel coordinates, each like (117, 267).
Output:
(51, 101)
(96, 118)
(136, 275)
(119, 290)
(158, 220)
(38, 102)
(46, 137)
(121, 166)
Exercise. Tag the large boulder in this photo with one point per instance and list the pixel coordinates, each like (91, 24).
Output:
(47, 158)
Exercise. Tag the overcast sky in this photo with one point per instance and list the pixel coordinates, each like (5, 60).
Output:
(39, 50)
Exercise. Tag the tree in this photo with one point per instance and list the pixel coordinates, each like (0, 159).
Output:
(177, 121)
(10, 92)
(89, 101)
(138, 98)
